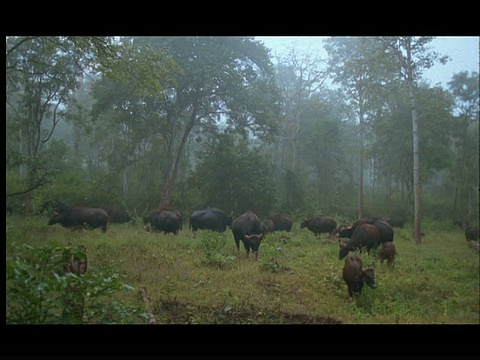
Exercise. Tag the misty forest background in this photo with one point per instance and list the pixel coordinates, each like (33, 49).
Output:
(185, 122)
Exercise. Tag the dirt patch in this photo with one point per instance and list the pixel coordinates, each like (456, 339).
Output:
(174, 312)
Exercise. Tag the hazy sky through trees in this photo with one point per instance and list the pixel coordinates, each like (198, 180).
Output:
(462, 50)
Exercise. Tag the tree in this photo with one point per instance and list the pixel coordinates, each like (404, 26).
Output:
(42, 73)
(350, 64)
(129, 132)
(224, 81)
(410, 56)
(391, 146)
(299, 76)
(234, 175)
(464, 87)
(324, 142)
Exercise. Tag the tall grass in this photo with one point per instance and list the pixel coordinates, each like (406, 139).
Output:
(197, 277)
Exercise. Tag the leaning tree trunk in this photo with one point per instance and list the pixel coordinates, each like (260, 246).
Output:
(171, 170)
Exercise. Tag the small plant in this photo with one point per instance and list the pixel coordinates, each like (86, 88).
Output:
(273, 253)
(40, 289)
(214, 246)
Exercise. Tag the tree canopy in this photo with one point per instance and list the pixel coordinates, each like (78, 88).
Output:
(184, 122)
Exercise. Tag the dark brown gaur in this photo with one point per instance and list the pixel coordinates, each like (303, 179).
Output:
(167, 221)
(278, 223)
(387, 252)
(79, 218)
(355, 276)
(248, 229)
(209, 218)
(320, 224)
(365, 237)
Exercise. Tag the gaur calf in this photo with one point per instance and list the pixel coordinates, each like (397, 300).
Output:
(355, 276)
(387, 252)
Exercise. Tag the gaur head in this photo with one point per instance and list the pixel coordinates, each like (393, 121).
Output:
(268, 226)
(56, 218)
(344, 249)
(254, 240)
(344, 231)
(369, 276)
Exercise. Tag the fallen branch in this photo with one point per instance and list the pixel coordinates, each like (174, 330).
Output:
(146, 300)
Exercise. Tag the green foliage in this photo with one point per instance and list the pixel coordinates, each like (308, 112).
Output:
(152, 116)
(293, 196)
(39, 291)
(215, 249)
(234, 176)
(69, 186)
(296, 279)
(273, 255)
(42, 74)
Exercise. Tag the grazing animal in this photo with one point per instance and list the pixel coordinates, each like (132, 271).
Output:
(355, 276)
(210, 219)
(116, 215)
(471, 233)
(168, 221)
(344, 230)
(55, 206)
(385, 230)
(395, 221)
(248, 229)
(147, 219)
(366, 236)
(387, 252)
(81, 217)
(268, 226)
(348, 230)
(278, 223)
(319, 225)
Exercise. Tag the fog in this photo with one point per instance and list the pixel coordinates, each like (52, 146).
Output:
(463, 52)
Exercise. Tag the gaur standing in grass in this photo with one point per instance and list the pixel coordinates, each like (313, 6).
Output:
(355, 276)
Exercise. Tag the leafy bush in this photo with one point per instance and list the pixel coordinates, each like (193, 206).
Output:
(273, 255)
(40, 291)
(214, 246)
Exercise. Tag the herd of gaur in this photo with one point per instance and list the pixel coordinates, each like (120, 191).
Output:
(365, 234)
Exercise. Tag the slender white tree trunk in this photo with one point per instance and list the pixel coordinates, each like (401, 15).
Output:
(417, 187)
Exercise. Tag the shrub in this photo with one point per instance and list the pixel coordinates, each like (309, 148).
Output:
(214, 246)
(40, 291)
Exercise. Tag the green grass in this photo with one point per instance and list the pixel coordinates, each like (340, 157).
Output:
(197, 278)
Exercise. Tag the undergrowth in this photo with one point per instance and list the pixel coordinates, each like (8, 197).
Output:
(197, 278)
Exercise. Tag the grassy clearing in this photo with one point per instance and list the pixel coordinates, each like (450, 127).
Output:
(197, 279)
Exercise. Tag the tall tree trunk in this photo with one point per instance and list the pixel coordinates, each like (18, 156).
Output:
(360, 180)
(296, 130)
(416, 153)
(373, 181)
(389, 193)
(416, 173)
(455, 197)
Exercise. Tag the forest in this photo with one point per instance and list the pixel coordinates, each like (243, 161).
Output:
(186, 122)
